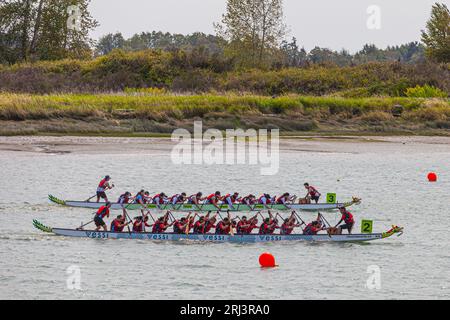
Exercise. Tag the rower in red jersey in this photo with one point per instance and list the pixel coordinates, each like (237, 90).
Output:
(196, 198)
(102, 212)
(209, 223)
(284, 199)
(265, 199)
(123, 200)
(118, 224)
(140, 223)
(178, 198)
(179, 226)
(231, 199)
(102, 187)
(199, 225)
(214, 199)
(312, 193)
(348, 220)
(269, 225)
(224, 226)
(249, 200)
(162, 224)
(246, 226)
(160, 198)
(313, 228)
(289, 225)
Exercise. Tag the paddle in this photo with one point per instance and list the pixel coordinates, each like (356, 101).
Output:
(87, 200)
(84, 225)
(231, 223)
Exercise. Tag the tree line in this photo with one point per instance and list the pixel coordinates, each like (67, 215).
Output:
(251, 34)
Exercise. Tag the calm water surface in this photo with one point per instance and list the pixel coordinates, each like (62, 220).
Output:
(390, 177)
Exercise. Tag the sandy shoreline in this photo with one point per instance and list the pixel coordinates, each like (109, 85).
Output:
(110, 145)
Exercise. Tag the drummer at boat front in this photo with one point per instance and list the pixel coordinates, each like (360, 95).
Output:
(312, 193)
(102, 187)
(102, 212)
(348, 220)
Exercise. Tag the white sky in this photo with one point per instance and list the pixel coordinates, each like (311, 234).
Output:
(334, 24)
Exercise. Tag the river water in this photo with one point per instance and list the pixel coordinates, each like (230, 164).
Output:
(389, 175)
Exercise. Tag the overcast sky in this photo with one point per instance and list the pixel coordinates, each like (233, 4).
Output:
(334, 24)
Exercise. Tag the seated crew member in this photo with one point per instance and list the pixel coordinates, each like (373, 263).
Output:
(284, 199)
(249, 200)
(265, 199)
(179, 226)
(224, 226)
(199, 225)
(231, 199)
(209, 223)
(162, 224)
(178, 198)
(102, 212)
(140, 223)
(312, 193)
(118, 224)
(348, 220)
(214, 199)
(196, 198)
(160, 198)
(289, 225)
(123, 200)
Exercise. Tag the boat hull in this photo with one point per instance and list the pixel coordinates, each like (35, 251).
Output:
(205, 207)
(253, 238)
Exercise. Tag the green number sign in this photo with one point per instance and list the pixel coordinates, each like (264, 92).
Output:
(366, 226)
(331, 197)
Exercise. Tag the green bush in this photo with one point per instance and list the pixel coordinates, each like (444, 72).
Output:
(425, 91)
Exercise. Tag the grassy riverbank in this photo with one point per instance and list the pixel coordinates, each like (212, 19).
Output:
(160, 113)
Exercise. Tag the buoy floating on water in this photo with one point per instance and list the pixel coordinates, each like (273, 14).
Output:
(267, 260)
(432, 177)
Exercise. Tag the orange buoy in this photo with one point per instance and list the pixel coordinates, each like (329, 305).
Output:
(267, 260)
(432, 177)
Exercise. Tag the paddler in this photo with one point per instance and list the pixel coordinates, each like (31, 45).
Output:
(246, 226)
(284, 199)
(179, 226)
(196, 198)
(231, 199)
(142, 198)
(102, 187)
(161, 225)
(312, 193)
(224, 226)
(249, 200)
(123, 200)
(209, 223)
(289, 225)
(140, 223)
(178, 198)
(269, 225)
(102, 212)
(199, 225)
(214, 199)
(160, 198)
(348, 220)
(265, 199)
(118, 224)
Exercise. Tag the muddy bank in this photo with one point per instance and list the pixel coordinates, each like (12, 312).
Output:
(117, 145)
